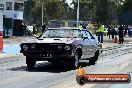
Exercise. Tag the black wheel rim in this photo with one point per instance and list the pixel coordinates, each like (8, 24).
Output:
(76, 61)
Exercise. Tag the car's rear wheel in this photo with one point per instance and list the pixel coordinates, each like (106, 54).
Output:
(30, 62)
(95, 58)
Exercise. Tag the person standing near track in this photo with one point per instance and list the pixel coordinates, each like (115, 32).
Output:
(121, 34)
(101, 33)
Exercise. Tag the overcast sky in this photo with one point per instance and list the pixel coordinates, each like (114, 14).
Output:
(69, 1)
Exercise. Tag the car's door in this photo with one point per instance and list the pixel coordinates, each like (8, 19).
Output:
(93, 43)
(89, 46)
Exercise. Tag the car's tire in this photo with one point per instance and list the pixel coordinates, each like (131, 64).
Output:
(30, 62)
(76, 62)
(95, 58)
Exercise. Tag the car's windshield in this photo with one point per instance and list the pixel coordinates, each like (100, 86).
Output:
(61, 33)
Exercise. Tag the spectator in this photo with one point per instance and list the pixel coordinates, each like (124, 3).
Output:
(121, 34)
(109, 31)
(43, 27)
(113, 33)
(81, 26)
(130, 31)
(125, 33)
(23, 27)
(101, 33)
(34, 30)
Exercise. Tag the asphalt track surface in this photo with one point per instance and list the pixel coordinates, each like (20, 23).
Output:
(14, 73)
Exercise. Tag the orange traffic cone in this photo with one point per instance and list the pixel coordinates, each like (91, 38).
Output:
(81, 71)
(115, 40)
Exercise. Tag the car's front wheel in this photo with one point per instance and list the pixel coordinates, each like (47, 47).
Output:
(30, 62)
(76, 60)
(55, 62)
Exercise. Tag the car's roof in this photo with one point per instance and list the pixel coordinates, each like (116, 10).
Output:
(71, 28)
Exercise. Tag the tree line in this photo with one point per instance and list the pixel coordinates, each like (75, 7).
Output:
(105, 11)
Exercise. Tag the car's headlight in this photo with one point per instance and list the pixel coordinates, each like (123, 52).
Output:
(25, 47)
(67, 47)
(33, 47)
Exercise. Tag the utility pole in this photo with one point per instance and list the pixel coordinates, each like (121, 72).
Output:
(42, 13)
(78, 14)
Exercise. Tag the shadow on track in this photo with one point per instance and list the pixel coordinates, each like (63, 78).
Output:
(49, 67)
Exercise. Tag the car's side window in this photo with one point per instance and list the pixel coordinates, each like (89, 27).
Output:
(92, 37)
(87, 34)
(84, 33)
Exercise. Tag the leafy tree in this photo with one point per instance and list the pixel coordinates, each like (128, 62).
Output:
(86, 9)
(28, 9)
(53, 9)
(106, 11)
(125, 11)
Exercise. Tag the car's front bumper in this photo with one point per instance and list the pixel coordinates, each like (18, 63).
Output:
(49, 56)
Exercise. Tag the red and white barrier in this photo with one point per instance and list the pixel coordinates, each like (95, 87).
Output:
(1, 41)
(1, 31)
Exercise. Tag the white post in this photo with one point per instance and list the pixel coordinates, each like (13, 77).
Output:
(42, 14)
(1, 21)
(78, 14)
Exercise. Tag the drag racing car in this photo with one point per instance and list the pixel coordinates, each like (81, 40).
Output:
(62, 44)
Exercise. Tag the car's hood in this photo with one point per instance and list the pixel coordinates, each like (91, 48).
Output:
(56, 40)
(52, 40)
